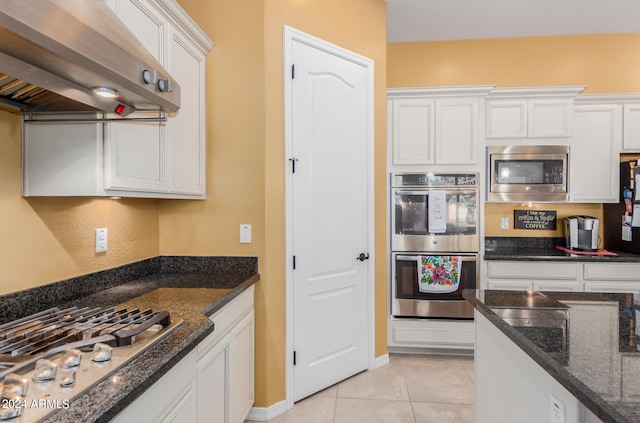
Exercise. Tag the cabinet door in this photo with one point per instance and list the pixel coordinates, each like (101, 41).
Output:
(506, 118)
(456, 136)
(631, 122)
(594, 156)
(135, 156)
(212, 381)
(145, 23)
(549, 118)
(241, 369)
(135, 152)
(412, 131)
(185, 129)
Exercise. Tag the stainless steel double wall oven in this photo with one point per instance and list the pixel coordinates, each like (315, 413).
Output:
(434, 218)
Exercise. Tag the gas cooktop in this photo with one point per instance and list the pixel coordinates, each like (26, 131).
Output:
(49, 358)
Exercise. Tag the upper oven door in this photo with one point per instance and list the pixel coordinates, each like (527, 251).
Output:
(434, 220)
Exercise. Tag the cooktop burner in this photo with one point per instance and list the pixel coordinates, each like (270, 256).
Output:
(49, 358)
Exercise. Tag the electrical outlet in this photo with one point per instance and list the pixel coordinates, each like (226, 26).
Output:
(245, 233)
(504, 223)
(557, 410)
(101, 240)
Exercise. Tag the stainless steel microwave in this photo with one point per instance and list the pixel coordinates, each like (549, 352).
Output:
(528, 173)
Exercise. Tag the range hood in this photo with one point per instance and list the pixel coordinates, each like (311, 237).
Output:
(56, 54)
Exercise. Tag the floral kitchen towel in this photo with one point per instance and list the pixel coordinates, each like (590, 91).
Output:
(439, 274)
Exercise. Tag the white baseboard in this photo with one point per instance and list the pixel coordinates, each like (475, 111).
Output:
(264, 414)
(379, 361)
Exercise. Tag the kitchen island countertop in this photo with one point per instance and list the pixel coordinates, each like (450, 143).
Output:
(190, 289)
(599, 362)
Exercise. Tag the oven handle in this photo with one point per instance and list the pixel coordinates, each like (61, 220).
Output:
(425, 191)
(465, 256)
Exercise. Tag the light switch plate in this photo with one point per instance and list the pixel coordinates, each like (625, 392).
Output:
(504, 223)
(245, 233)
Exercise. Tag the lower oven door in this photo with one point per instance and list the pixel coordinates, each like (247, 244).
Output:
(409, 299)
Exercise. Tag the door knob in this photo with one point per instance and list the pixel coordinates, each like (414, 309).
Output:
(363, 257)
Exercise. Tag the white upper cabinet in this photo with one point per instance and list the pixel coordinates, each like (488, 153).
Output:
(537, 112)
(133, 158)
(457, 130)
(631, 135)
(435, 126)
(412, 131)
(595, 153)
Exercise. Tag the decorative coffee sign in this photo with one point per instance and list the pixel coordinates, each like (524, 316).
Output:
(535, 219)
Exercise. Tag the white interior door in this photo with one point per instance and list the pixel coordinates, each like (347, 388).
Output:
(329, 220)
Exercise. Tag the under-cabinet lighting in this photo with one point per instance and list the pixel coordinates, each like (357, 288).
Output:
(106, 92)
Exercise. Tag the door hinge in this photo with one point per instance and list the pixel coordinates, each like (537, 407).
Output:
(293, 71)
(294, 358)
(293, 161)
(294, 262)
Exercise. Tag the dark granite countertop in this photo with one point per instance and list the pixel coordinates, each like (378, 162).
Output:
(191, 289)
(544, 249)
(534, 254)
(613, 396)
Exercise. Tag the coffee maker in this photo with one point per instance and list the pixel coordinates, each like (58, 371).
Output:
(581, 233)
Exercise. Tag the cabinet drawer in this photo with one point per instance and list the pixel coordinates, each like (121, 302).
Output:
(532, 270)
(612, 271)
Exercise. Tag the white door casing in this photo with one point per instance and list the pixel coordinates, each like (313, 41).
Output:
(329, 138)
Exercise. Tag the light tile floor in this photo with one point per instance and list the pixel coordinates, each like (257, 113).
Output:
(410, 389)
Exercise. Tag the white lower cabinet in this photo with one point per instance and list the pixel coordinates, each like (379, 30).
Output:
(555, 276)
(612, 277)
(212, 384)
(537, 276)
(225, 367)
(171, 399)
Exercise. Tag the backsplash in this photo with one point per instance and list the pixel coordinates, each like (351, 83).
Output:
(494, 212)
(500, 245)
(29, 301)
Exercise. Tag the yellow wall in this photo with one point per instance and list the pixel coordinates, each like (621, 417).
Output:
(43, 240)
(246, 151)
(493, 214)
(604, 63)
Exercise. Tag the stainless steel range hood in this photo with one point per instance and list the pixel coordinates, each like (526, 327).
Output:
(55, 54)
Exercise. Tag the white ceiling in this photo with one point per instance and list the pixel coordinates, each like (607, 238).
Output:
(437, 20)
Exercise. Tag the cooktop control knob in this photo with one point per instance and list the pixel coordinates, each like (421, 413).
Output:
(15, 385)
(45, 370)
(68, 377)
(101, 352)
(71, 358)
(13, 408)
